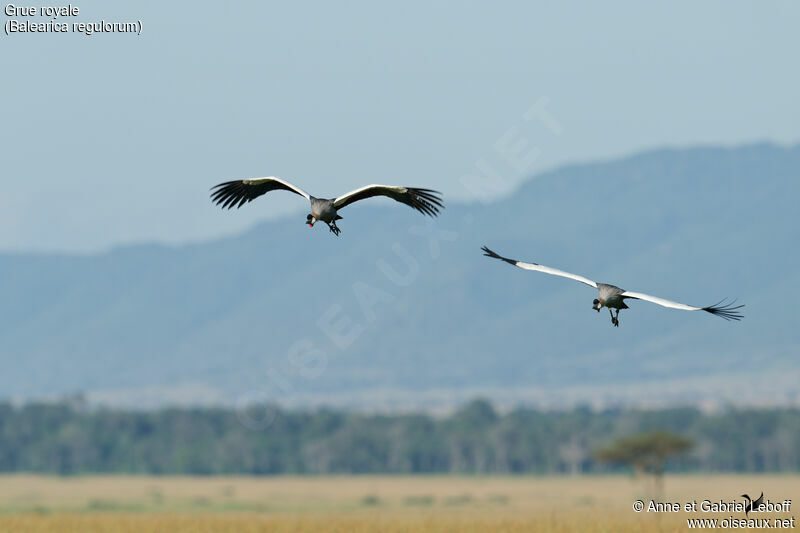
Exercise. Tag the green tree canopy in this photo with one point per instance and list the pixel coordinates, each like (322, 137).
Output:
(646, 452)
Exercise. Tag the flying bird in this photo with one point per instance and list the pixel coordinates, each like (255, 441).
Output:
(613, 297)
(237, 193)
(752, 504)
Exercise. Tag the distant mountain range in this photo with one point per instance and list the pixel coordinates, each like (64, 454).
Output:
(402, 311)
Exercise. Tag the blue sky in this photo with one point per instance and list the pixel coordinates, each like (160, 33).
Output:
(114, 139)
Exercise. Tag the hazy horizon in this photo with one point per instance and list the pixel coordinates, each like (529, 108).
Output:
(221, 321)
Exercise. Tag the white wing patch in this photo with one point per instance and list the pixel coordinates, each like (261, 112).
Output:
(259, 181)
(538, 268)
(555, 272)
(660, 301)
(343, 198)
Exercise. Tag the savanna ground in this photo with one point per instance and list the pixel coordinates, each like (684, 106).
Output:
(368, 503)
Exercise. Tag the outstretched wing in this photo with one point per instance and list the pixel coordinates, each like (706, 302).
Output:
(728, 311)
(239, 192)
(539, 268)
(425, 201)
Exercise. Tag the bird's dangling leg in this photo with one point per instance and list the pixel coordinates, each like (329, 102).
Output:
(615, 320)
(334, 228)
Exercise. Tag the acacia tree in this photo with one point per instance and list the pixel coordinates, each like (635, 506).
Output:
(646, 452)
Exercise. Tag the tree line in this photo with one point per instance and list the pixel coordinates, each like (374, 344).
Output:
(69, 437)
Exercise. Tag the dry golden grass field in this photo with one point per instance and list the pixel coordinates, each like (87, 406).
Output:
(368, 503)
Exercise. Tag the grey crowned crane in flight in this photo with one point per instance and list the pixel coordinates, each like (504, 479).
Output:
(614, 297)
(237, 193)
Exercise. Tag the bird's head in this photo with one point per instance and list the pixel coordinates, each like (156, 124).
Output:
(746, 497)
(310, 220)
(596, 305)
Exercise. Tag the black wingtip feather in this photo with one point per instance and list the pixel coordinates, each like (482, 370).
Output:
(488, 253)
(728, 311)
(232, 194)
(425, 201)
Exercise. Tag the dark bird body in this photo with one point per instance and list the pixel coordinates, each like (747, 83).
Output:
(751, 504)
